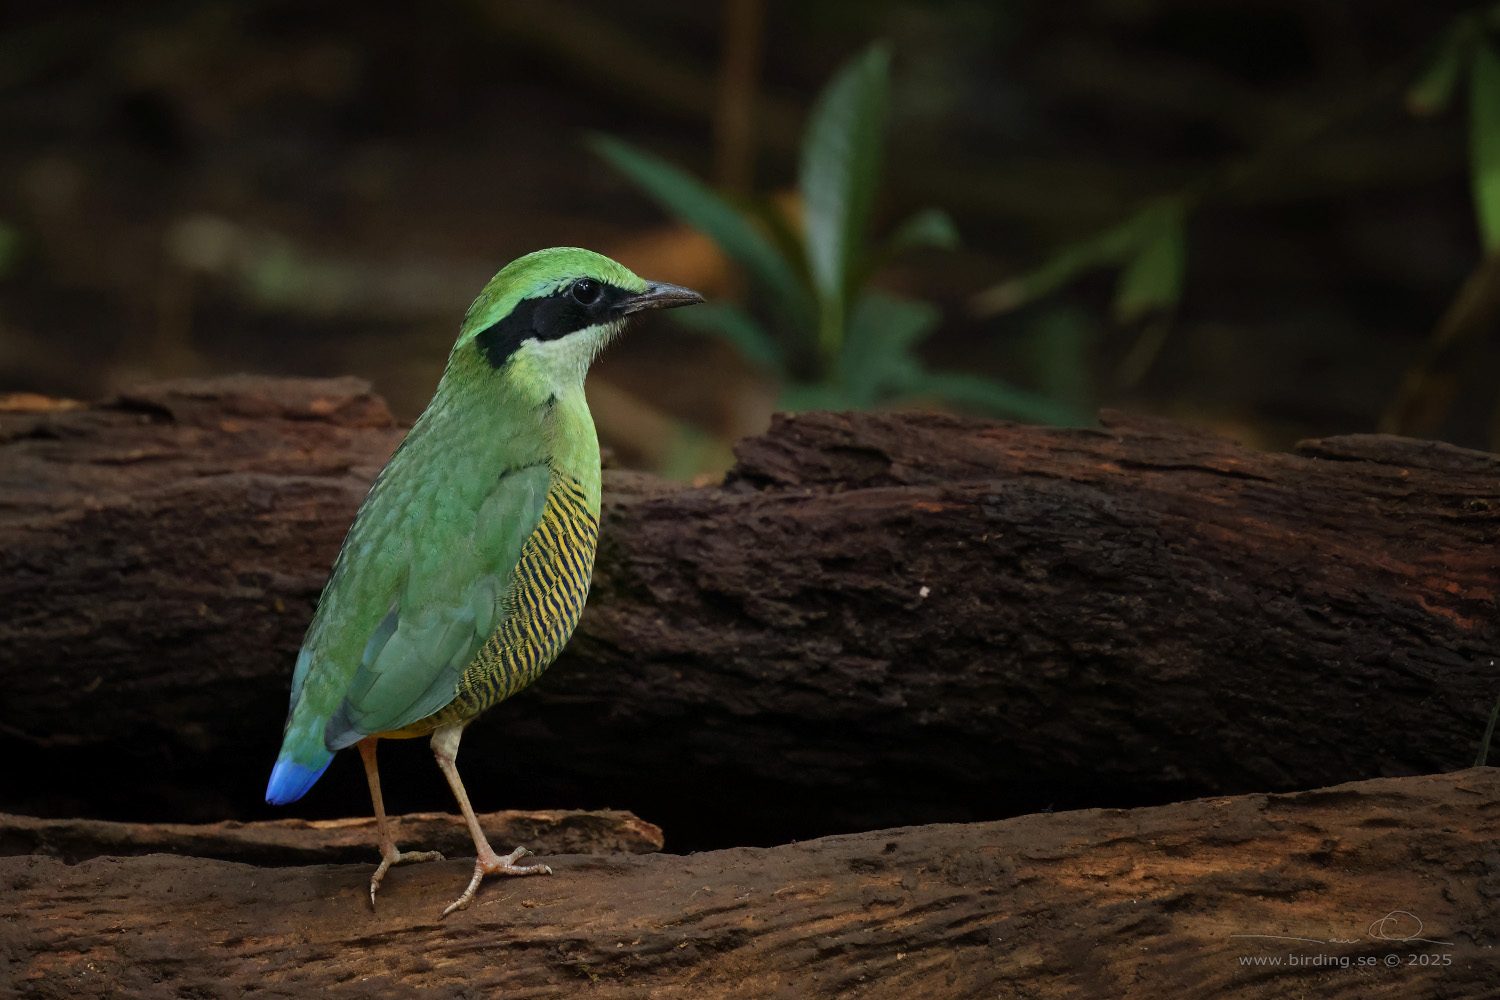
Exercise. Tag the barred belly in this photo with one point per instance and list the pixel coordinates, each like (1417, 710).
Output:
(549, 587)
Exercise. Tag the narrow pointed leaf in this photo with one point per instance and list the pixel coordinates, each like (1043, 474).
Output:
(1152, 281)
(878, 352)
(840, 167)
(1433, 90)
(694, 203)
(931, 227)
(780, 218)
(1112, 246)
(1484, 143)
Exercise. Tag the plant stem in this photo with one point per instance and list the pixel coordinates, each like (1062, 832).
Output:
(1489, 731)
(734, 112)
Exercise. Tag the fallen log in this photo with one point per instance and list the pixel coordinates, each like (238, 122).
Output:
(283, 842)
(876, 619)
(1384, 888)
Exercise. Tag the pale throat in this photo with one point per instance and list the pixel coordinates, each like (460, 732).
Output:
(553, 372)
(562, 364)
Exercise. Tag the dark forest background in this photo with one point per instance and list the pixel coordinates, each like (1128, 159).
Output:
(200, 187)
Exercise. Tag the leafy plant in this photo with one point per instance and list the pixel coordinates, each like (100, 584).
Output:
(1150, 250)
(833, 341)
(1467, 46)
(1150, 247)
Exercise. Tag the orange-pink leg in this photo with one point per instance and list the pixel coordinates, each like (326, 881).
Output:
(389, 855)
(445, 749)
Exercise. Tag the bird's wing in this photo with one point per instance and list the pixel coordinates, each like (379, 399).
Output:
(451, 573)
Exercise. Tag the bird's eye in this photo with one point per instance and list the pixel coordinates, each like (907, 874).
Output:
(586, 291)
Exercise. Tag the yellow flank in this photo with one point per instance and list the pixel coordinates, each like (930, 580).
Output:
(549, 587)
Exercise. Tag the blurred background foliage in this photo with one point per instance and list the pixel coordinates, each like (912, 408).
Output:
(836, 345)
(1274, 218)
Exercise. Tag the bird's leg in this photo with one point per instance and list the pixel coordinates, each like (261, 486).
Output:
(388, 853)
(445, 749)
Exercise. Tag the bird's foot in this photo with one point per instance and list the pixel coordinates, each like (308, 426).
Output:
(490, 863)
(390, 856)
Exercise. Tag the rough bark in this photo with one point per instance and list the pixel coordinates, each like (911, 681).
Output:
(1398, 878)
(876, 619)
(332, 841)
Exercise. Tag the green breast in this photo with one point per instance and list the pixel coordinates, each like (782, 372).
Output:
(549, 587)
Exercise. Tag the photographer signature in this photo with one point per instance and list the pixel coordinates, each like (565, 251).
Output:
(1398, 925)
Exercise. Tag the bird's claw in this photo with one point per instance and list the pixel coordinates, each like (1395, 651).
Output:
(395, 857)
(495, 865)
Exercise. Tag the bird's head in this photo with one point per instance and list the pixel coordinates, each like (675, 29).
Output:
(549, 313)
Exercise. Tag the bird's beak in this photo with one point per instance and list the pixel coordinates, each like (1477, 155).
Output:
(660, 295)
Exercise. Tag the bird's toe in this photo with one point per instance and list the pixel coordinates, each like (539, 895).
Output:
(495, 865)
(394, 857)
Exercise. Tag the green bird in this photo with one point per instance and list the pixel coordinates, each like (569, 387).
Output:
(468, 564)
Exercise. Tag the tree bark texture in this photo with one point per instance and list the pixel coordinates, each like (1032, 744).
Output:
(1385, 888)
(876, 619)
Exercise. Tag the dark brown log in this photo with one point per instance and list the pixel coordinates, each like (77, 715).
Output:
(1386, 888)
(285, 842)
(877, 619)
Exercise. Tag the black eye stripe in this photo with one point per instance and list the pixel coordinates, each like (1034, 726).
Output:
(548, 318)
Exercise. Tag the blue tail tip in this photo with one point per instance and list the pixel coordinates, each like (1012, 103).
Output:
(290, 781)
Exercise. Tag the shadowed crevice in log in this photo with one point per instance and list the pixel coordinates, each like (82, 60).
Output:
(878, 619)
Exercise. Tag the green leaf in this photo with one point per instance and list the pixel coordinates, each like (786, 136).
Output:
(878, 350)
(784, 232)
(693, 202)
(1484, 143)
(837, 178)
(1433, 90)
(731, 323)
(1143, 353)
(800, 396)
(1058, 346)
(10, 247)
(1153, 279)
(1112, 246)
(996, 397)
(930, 227)
(1489, 734)
(1150, 243)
